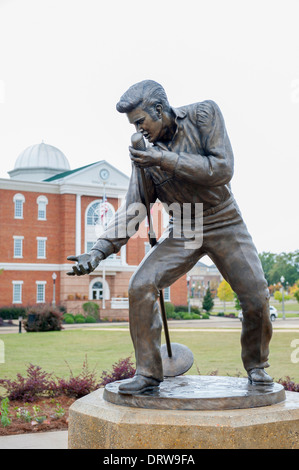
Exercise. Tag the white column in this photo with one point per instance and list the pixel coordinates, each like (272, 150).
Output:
(123, 254)
(78, 224)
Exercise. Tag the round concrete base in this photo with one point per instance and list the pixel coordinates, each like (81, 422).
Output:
(95, 423)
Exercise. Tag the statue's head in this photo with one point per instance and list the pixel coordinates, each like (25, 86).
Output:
(146, 95)
(146, 106)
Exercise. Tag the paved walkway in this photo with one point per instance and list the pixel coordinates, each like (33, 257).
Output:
(39, 440)
(214, 323)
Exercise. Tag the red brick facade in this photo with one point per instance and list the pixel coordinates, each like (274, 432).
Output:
(59, 232)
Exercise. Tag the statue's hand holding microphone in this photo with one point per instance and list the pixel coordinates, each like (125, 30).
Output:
(144, 157)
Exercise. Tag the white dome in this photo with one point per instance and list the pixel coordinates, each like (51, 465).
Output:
(42, 156)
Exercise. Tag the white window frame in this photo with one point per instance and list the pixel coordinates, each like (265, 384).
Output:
(93, 232)
(167, 297)
(14, 284)
(41, 239)
(42, 200)
(18, 198)
(17, 238)
(43, 284)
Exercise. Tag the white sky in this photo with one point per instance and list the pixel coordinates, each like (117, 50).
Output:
(65, 63)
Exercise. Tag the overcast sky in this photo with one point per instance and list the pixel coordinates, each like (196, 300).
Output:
(65, 63)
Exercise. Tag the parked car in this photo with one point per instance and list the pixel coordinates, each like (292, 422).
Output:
(273, 314)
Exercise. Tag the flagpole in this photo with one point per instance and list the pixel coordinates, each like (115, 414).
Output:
(104, 268)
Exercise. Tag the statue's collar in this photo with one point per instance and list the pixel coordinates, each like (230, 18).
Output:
(179, 113)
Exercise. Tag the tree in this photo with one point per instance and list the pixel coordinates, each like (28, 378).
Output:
(225, 292)
(278, 296)
(208, 303)
(237, 302)
(282, 264)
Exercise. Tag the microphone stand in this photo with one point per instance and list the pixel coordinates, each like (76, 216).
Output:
(138, 143)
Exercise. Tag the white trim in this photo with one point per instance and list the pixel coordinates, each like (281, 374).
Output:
(41, 199)
(17, 283)
(78, 224)
(105, 284)
(60, 267)
(19, 197)
(15, 238)
(41, 283)
(35, 187)
(42, 239)
(47, 187)
(169, 298)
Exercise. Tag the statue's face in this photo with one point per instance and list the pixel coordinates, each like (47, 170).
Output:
(144, 123)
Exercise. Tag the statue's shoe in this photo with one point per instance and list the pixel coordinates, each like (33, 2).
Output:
(138, 384)
(259, 377)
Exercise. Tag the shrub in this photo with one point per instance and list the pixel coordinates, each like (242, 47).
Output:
(288, 384)
(220, 314)
(90, 319)
(69, 318)
(37, 383)
(91, 309)
(79, 318)
(1, 321)
(181, 308)
(80, 385)
(195, 316)
(124, 369)
(186, 316)
(43, 318)
(205, 316)
(169, 309)
(12, 313)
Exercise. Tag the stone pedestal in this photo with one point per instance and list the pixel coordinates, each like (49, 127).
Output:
(95, 423)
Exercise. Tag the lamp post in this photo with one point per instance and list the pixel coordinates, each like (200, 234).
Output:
(20, 323)
(282, 279)
(54, 277)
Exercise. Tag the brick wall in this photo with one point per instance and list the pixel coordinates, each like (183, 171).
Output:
(29, 227)
(29, 288)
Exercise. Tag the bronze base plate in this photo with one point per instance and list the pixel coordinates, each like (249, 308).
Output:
(199, 393)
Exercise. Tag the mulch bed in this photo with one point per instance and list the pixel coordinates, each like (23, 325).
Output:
(47, 406)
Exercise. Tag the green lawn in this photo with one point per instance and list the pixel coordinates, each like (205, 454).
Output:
(212, 351)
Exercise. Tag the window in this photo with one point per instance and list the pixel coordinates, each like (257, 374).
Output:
(18, 200)
(40, 291)
(18, 247)
(99, 213)
(42, 202)
(41, 247)
(97, 291)
(17, 292)
(97, 216)
(167, 294)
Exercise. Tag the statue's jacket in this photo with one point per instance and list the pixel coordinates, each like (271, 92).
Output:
(197, 167)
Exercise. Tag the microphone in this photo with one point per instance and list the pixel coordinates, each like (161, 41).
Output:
(137, 141)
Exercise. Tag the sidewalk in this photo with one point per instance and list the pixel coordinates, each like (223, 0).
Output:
(39, 440)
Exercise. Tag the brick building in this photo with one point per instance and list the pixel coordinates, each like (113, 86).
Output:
(48, 212)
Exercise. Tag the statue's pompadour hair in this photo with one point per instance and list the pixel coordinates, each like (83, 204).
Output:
(144, 94)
